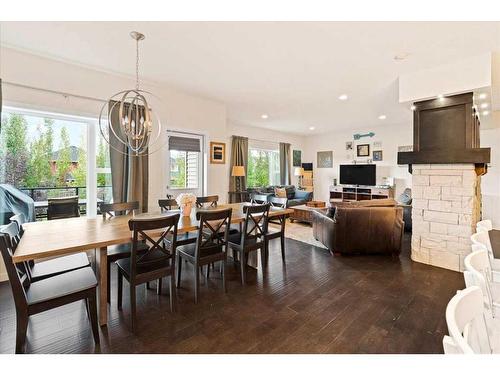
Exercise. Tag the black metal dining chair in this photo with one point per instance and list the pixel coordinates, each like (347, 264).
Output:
(156, 263)
(272, 232)
(121, 251)
(207, 201)
(62, 208)
(183, 238)
(48, 268)
(251, 238)
(31, 298)
(210, 246)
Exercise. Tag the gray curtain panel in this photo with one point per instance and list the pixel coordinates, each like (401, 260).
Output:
(129, 173)
(285, 164)
(239, 156)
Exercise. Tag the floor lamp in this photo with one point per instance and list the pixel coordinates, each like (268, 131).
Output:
(238, 171)
(299, 172)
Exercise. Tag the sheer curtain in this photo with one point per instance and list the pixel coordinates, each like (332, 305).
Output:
(129, 173)
(285, 164)
(239, 156)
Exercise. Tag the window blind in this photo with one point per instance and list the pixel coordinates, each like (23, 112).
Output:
(183, 144)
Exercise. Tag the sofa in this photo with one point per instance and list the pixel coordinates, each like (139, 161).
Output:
(404, 200)
(295, 196)
(368, 227)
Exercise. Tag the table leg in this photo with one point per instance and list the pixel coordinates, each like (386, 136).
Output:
(102, 274)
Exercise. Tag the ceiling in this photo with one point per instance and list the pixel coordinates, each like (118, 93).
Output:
(292, 71)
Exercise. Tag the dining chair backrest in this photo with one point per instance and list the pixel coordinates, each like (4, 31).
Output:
(481, 238)
(208, 201)
(278, 202)
(213, 231)
(484, 225)
(167, 204)
(466, 322)
(255, 224)
(16, 272)
(19, 219)
(154, 231)
(477, 264)
(120, 208)
(449, 346)
(258, 198)
(62, 208)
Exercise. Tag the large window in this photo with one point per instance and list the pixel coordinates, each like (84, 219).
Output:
(184, 169)
(263, 164)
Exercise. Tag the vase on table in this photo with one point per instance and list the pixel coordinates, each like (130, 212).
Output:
(186, 209)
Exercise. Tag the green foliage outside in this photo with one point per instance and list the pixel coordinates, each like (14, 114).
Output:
(177, 169)
(258, 168)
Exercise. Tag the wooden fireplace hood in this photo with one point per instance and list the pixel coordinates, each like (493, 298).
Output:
(446, 131)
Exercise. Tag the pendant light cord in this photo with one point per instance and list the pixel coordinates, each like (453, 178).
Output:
(137, 64)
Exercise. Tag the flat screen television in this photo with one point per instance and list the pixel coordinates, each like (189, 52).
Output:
(358, 174)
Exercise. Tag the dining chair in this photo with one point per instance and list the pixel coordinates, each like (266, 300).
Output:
(484, 225)
(154, 264)
(183, 238)
(62, 208)
(208, 201)
(466, 323)
(258, 198)
(210, 246)
(47, 268)
(272, 232)
(482, 238)
(121, 251)
(251, 237)
(31, 298)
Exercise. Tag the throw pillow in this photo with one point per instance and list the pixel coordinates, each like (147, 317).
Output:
(280, 192)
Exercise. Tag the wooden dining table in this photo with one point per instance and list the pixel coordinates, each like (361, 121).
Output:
(45, 239)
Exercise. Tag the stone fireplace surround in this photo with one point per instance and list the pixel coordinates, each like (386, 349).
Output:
(446, 207)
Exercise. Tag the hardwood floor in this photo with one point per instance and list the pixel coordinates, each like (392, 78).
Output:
(316, 304)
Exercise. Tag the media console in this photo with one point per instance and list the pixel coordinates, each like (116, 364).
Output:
(344, 193)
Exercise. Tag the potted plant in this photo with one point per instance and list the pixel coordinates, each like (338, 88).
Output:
(186, 201)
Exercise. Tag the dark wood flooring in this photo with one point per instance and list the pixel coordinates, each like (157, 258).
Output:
(316, 304)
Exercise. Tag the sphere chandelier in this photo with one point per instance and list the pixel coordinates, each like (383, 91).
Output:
(127, 121)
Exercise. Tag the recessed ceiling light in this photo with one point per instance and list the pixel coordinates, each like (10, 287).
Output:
(382, 117)
(484, 105)
(264, 116)
(343, 97)
(413, 107)
(486, 113)
(311, 128)
(482, 96)
(440, 96)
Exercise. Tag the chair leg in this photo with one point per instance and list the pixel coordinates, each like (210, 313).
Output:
(87, 307)
(208, 271)
(158, 286)
(283, 247)
(148, 286)
(179, 270)
(132, 306)
(120, 290)
(243, 266)
(109, 282)
(196, 282)
(92, 303)
(21, 329)
(223, 270)
(173, 296)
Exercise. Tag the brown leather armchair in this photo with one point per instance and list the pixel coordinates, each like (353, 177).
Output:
(361, 228)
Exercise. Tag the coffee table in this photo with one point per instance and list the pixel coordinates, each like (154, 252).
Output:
(303, 213)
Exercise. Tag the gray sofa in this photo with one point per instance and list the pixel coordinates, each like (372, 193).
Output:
(295, 196)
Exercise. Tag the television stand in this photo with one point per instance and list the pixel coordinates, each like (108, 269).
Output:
(350, 193)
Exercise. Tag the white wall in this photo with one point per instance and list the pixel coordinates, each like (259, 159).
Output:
(390, 136)
(490, 182)
(296, 141)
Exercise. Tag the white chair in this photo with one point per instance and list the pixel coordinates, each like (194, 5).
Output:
(483, 239)
(484, 225)
(466, 324)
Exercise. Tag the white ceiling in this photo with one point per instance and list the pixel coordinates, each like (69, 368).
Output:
(293, 71)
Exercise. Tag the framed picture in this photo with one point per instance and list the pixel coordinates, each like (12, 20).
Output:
(325, 159)
(363, 150)
(297, 158)
(217, 153)
(348, 146)
(377, 155)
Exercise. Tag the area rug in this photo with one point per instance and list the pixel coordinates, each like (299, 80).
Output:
(301, 232)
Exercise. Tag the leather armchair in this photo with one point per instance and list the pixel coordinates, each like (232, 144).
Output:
(361, 230)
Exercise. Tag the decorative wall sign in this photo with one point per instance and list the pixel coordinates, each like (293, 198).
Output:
(377, 155)
(297, 158)
(217, 153)
(363, 150)
(349, 146)
(377, 144)
(359, 136)
(325, 159)
(408, 148)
